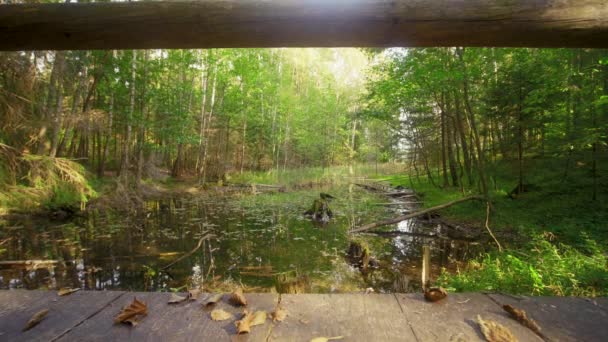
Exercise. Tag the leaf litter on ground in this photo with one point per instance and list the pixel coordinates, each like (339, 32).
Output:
(325, 339)
(220, 315)
(249, 320)
(175, 298)
(213, 299)
(238, 298)
(67, 291)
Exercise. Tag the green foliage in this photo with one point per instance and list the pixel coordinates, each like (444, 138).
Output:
(541, 268)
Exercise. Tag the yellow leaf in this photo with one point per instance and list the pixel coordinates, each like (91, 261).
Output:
(64, 291)
(259, 317)
(325, 339)
(36, 318)
(220, 315)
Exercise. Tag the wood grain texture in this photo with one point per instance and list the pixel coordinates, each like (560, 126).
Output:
(18, 306)
(562, 318)
(304, 23)
(186, 321)
(455, 318)
(357, 317)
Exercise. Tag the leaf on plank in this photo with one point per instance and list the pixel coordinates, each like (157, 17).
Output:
(213, 299)
(237, 297)
(175, 298)
(36, 318)
(495, 332)
(325, 339)
(279, 314)
(130, 314)
(220, 315)
(66, 291)
(249, 320)
(435, 294)
(521, 316)
(193, 294)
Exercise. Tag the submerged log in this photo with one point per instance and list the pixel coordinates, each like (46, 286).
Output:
(412, 215)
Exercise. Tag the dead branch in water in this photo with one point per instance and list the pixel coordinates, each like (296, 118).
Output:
(200, 243)
(412, 215)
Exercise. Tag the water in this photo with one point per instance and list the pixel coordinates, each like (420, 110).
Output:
(257, 238)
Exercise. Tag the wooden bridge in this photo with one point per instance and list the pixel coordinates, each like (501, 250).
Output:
(88, 316)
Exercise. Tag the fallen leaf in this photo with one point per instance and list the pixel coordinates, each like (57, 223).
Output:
(244, 325)
(220, 315)
(66, 291)
(175, 298)
(129, 314)
(494, 332)
(522, 317)
(325, 339)
(36, 318)
(213, 299)
(259, 317)
(237, 297)
(279, 315)
(434, 294)
(194, 294)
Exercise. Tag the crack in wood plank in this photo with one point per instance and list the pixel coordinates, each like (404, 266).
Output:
(67, 331)
(406, 318)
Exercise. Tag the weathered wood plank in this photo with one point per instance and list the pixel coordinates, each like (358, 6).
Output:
(18, 306)
(357, 317)
(304, 23)
(455, 318)
(562, 318)
(186, 321)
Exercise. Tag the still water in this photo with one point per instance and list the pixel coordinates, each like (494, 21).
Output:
(257, 238)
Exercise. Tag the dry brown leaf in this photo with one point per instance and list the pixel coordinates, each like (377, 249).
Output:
(325, 339)
(175, 299)
(522, 317)
(237, 297)
(213, 299)
(129, 314)
(194, 294)
(244, 325)
(494, 332)
(434, 294)
(36, 318)
(66, 291)
(220, 315)
(279, 315)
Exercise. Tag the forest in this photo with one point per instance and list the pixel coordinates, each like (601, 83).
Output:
(524, 130)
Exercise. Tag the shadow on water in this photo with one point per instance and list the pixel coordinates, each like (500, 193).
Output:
(257, 240)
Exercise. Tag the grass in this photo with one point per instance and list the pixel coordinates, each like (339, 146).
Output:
(556, 236)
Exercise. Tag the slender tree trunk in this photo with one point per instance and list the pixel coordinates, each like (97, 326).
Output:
(124, 165)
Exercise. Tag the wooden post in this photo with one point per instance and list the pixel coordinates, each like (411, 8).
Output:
(303, 23)
(426, 266)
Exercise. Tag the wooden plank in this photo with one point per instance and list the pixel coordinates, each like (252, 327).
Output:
(562, 318)
(18, 306)
(186, 321)
(357, 317)
(304, 23)
(455, 318)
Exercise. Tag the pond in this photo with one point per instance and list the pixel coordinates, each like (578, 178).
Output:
(258, 241)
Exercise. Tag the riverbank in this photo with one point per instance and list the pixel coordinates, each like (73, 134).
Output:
(547, 250)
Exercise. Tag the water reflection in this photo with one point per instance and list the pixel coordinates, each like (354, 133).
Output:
(256, 238)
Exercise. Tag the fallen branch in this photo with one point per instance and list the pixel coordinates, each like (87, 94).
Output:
(412, 215)
(200, 243)
(397, 233)
(488, 227)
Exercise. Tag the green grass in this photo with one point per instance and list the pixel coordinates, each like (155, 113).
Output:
(556, 237)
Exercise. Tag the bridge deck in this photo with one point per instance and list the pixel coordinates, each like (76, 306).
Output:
(88, 315)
